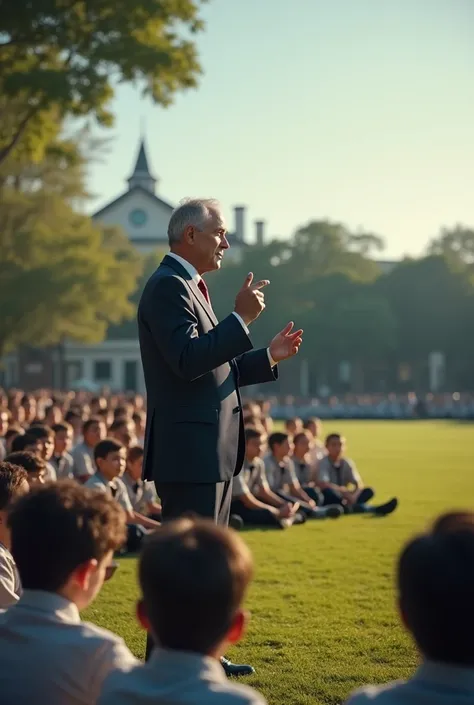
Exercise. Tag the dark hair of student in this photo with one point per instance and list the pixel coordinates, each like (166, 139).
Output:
(311, 420)
(276, 439)
(118, 423)
(91, 422)
(27, 460)
(11, 479)
(71, 414)
(299, 436)
(62, 427)
(21, 442)
(333, 437)
(436, 585)
(58, 527)
(193, 575)
(41, 431)
(14, 430)
(252, 433)
(134, 453)
(105, 447)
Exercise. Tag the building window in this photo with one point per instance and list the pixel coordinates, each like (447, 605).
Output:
(102, 370)
(130, 375)
(74, 371)
(138, 217)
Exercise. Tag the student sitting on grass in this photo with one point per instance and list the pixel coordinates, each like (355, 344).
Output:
(340, 483)
(62, 459)
(142, 494)
(110, 460)
(435, 586)
(252, 499)
(45, 436)
(282, 479)
(193, 577)
(13, 484)
(63, 537)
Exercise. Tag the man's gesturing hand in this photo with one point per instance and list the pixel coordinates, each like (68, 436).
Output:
(249, 302)
(286, 344)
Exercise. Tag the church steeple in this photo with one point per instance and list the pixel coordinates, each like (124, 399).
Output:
(141, 174)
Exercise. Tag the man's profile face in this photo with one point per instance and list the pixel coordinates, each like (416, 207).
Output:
(209, 244)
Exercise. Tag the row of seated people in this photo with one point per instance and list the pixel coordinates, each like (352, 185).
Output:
(284, 482)
(298, 478)
(60, 539)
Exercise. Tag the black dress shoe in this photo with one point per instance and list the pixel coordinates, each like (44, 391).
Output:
(386, 508)
(236, 522)
(236, 669)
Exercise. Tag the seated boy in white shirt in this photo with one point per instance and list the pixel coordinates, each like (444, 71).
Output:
(13, 484)
(252, 499)
(193, 576)
(435, 587)
(142, 494)
(62, 539)
(110, 460)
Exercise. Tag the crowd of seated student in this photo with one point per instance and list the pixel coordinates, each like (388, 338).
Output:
(58, 542)
(94, 441)
(291, 476)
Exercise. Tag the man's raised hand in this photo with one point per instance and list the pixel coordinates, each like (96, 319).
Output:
(286, 344)
(250, 301)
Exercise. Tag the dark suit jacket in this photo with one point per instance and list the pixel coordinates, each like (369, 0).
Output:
(193, 368)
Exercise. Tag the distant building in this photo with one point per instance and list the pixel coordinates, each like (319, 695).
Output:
(143, 216)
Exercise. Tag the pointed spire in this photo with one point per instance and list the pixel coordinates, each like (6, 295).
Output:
(141, 167)
(141, 174)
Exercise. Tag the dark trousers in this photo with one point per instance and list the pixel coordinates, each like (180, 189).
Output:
(206, 500)
(254, 517)
(332, 497)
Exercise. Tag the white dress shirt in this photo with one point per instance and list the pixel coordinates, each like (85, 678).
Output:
(10, 585)
(193, 273)
(177, 678)
(49, 657)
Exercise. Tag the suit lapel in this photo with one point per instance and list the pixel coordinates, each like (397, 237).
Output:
(193, 287)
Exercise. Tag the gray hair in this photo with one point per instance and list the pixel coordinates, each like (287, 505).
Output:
(191, 211)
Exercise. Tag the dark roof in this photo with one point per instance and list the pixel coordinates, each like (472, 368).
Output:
(142, 161)
(124, 195)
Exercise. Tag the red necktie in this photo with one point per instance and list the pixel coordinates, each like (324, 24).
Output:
(204, 290)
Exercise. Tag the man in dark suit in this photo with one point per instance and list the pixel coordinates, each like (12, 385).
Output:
(194, 367)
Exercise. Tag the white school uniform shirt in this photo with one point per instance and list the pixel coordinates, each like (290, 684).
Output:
(10, 584)
(177, 678)
(83, 457)
(140, 493)
(115, 488)
(49, 657)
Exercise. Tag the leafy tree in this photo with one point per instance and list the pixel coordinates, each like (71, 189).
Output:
(322, 247)
(457, 243)
(60, 275)
(427, 297)
(59, 59)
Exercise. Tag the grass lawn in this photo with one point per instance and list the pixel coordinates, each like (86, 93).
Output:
(322, 605)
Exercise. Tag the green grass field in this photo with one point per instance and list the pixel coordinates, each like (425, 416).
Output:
(322, 604)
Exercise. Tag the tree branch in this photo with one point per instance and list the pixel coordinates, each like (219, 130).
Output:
(5, 151)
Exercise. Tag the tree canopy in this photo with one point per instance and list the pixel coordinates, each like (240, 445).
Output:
(61, 275)
(65, 58)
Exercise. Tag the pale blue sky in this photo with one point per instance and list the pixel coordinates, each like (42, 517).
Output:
(361, 111)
